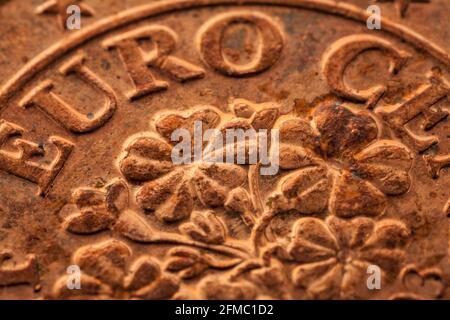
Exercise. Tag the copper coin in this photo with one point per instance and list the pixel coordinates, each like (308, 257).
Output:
(93, 206)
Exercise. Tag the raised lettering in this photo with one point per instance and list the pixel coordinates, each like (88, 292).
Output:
(61, 111)
(24, 273)
(269, 50)
(136, 60)
(20, 164)
(420, 102)
(344, 51)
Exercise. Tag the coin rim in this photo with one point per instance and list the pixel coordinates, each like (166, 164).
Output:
(345, 10)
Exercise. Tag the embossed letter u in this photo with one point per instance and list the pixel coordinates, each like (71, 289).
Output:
(61, 111)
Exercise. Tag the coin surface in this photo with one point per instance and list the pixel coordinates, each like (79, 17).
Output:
(93, 205)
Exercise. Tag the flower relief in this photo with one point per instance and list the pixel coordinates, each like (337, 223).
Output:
(337, 174)
(107, 274)
(332, 256)
(170, 190)
(297, 197)
(337, 163)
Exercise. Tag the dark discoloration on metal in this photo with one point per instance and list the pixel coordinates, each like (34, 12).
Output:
(86, 176)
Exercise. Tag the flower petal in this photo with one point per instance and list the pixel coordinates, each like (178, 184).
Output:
(387, 259)
(327, 286)
(229, 175)
(179, 263)
(385, 247)
(105, 261)
(170, 197)
(354, 196)
(205, 227)
(312, 241)
(265, 118)
(178, 206)
(352, 233)
(97, 209)
(305, 251)
(354, 281)
(242, 108)
(272, 278)
(89, 198)
(143, 272)
(90, 288)
(168, 123)
(343, 132)
(88, 222)
(117, 197)
(244, 151)
(213, 181)
(163, 288)
(133, 226)
(316, 231)
(386, 165)
(146, 158)
(305, 274)
(294, 157)
(238, 201)
(214, 288)
(309, 189)
(298, 132)
(187, 262)
(390, 234)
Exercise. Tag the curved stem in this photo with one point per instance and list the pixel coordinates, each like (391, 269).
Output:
(222, 264)
(253, 181)
(232, 249)
(244, 267)
(259, 228)
(127, 224)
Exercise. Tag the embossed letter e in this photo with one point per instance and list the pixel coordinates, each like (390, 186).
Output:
(19, 163)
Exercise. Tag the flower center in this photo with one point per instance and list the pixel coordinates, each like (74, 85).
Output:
(344, 256)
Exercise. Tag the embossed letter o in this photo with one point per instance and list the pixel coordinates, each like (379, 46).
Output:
(269, 50)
